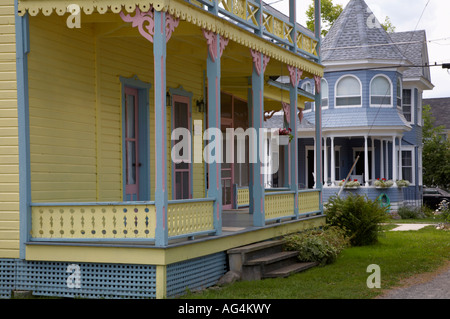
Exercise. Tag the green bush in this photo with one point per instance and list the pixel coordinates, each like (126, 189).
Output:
(408, 212)
(322, 246)
(358, 216)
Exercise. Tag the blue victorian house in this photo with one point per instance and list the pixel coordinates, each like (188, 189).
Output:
(371, 97)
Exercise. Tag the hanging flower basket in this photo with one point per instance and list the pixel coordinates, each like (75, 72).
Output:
(285, 136)
(383, 183)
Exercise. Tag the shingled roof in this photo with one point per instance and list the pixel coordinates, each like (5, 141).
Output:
(413, 46)
(357, 35)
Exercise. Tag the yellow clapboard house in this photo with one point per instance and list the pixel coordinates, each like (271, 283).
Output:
(112, 118)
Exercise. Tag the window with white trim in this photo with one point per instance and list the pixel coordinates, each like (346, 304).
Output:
(348, 92)
(407, 105)
(399, 93)
(324, 92)
(408, 165)
(380, 91)
(308, 88)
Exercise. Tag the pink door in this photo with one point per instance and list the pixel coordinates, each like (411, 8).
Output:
(131, 145)
(182, 169)
(227, 168)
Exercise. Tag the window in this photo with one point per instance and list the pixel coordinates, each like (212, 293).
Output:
(399, 93)
(308, 88)
(407, 166)
(324, 92)
(380, 91)
(407, 105)
(348, 92)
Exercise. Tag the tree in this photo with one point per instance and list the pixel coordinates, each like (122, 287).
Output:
(330, 13)
(436, 152)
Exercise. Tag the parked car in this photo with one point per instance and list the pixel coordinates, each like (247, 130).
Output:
(433, 196)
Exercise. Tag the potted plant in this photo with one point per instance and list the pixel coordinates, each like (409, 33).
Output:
(383, 183)
(285, 136)
(350, 184)
(402, 183)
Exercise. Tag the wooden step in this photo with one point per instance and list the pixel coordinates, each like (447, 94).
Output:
(272, 258)
(289, 270)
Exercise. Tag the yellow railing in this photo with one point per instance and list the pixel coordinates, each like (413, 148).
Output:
(278, 205)
(190, 217)
(93, 221)
(308, 201)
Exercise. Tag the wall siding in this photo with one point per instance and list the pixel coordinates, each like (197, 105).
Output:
(76, 120)
(62, 111)
(9, 152)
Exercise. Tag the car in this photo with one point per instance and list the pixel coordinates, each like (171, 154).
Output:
(432, 197)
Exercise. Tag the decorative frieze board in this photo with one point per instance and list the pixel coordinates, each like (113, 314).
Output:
(185, 11)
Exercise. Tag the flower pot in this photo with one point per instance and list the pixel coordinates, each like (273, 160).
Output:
(283, 139)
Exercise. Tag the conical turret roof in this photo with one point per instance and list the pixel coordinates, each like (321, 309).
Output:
(357, 35)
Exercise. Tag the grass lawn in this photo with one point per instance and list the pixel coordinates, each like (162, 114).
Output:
(398, 254)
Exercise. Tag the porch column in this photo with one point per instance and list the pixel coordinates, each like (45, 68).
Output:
(366, 162)
(387, 160)
(325, 162)
(293, 146)
(381, 158)
(213, 70)
(394, 159)
(372, 176)
(161, 196)
(400, 156)
(333, 162)
(256, 186)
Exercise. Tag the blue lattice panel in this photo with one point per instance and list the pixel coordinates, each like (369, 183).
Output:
(195, 274)
(78, 280)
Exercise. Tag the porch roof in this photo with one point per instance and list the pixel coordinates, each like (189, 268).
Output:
(362, 117)
(242, 30)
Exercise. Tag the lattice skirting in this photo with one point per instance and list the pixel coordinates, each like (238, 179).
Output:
(196, 273)
(107, 281)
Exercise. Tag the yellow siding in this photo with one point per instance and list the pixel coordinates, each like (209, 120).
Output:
(75, 110)
(62, 111)
(9, 153)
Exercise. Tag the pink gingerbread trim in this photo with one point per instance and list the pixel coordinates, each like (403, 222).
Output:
(317, 80)
(211, 40)
(257, 61)
(294, 80)
(146, 23)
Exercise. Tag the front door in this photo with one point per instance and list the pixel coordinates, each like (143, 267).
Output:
(227, 170)
(182, 167)
(131, 145)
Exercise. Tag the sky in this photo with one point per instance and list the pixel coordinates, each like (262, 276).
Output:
(406, 15)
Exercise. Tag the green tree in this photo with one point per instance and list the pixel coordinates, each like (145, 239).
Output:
(329, 13)
(388, 26)
(436, 152)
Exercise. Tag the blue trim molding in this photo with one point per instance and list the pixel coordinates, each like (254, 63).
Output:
(22, 50)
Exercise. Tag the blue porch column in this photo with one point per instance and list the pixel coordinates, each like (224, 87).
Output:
(293, 146)
(256, 183)
(214, 166)
(318, 103)
(161, 198)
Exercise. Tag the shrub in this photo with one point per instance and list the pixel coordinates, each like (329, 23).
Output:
(322, 246)
(359, 217)
(408, 212)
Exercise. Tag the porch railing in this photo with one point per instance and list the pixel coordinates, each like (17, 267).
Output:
(282, 204)
(253, 15)
(279, 205)
(119, 221)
